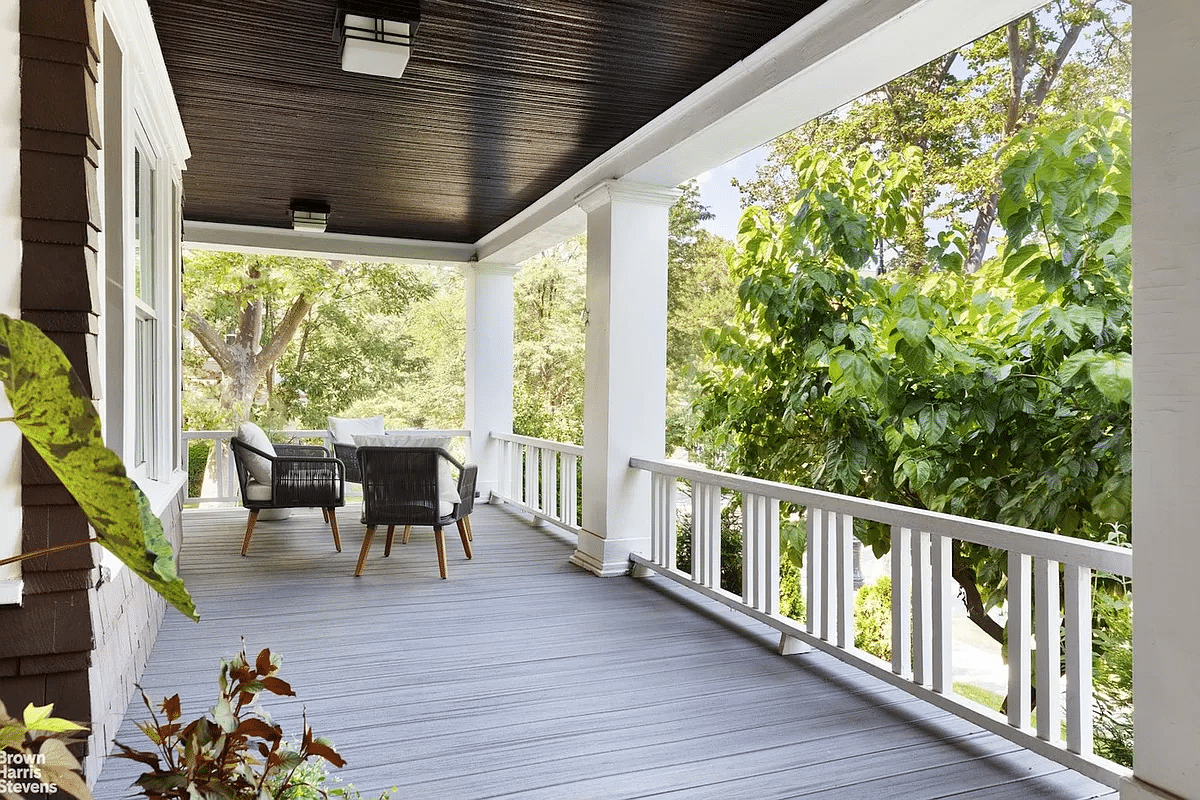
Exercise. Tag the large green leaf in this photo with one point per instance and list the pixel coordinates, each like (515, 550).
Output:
(59, 421)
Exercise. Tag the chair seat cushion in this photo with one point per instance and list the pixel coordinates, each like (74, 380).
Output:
(447, 485)
(258, 467)
(344, 429)
(258, 492)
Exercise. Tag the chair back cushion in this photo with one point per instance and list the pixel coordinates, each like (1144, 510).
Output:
(447, 486)
(344, 429)
(258, 467)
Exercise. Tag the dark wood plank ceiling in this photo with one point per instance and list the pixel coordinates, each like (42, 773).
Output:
(501, 102)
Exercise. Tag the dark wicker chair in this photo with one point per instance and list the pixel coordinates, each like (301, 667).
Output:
(348, 455)
(302, 476)
(400, 487)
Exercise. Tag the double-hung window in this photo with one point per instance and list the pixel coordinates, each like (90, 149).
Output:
(146, 373)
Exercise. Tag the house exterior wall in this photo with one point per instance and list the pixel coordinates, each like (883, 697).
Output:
(47, 648)
(126, 615)
(79, 631)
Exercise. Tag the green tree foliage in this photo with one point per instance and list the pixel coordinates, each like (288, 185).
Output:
(327, 325)
(548, 354)
(963, 109)
(550, 297)
(700, 295)
(1002, 395)
(403, 360)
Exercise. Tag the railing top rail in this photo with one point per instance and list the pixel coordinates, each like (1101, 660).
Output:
(314, 433)
(1063, 549)
(549, 444)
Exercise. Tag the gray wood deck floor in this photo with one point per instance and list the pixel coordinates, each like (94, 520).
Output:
(522, 676)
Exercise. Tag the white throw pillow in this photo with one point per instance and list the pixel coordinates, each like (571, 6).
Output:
(344, 430)
(447, 485)
(256, 437)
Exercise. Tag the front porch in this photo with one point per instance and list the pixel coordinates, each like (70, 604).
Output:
(525, 676)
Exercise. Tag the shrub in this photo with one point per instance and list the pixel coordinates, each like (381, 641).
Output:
(731, 546)
(791, 597)
(198, 451)
(1112, 648)
(873, 618)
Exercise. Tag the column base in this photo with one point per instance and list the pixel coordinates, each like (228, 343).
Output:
(605, 557)
(1134, 789)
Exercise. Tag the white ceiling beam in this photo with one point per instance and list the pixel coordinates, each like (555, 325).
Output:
(311, 244)
(842, 50)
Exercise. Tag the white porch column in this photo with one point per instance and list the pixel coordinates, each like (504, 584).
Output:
(1166, 399)
(489, 400)
(624, 412)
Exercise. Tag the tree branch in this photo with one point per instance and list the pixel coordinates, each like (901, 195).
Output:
(210, 339)
(976, 611)
(1038, 97)
(283, 334)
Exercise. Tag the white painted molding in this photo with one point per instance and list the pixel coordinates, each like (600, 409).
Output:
(11, 591)
(491, 269)
(836, 53)
(310, 244)
(607, 192)
(134, 28)
(10, 281)
(1134, 789)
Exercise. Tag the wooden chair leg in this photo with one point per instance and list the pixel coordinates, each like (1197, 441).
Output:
(362, 556)
(465, 536)
(249, 530)
(331, 518)
(440, 538)
(387, 547)
(325, 515)
(467, 521)
(407, 533)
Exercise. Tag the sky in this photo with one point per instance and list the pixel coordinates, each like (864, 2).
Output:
(721, 197)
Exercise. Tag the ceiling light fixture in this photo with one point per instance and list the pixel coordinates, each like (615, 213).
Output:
(309, 215)
(376, 38)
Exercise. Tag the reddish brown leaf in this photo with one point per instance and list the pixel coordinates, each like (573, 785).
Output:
(278, 686)
(259, 728)
(263, 662)
(171, 708)
(137, 755)
(326, 752)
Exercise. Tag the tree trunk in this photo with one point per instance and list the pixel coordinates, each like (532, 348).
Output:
(1023, 109)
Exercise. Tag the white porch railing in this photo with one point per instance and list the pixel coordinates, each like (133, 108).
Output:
(541, 477)
(221, 483)
(922, 597)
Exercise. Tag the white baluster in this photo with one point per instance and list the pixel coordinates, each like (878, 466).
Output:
(550, 497)
(943, 596)
(1020, 598)
(1078, 611)
(516, 489)
(844, 542)
(815, 569)
(706, 534)
(1049, 654)
(760, 552)
(902, 601)
(662, 522)
(570, 488)
(532, 464)
(922, 609)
